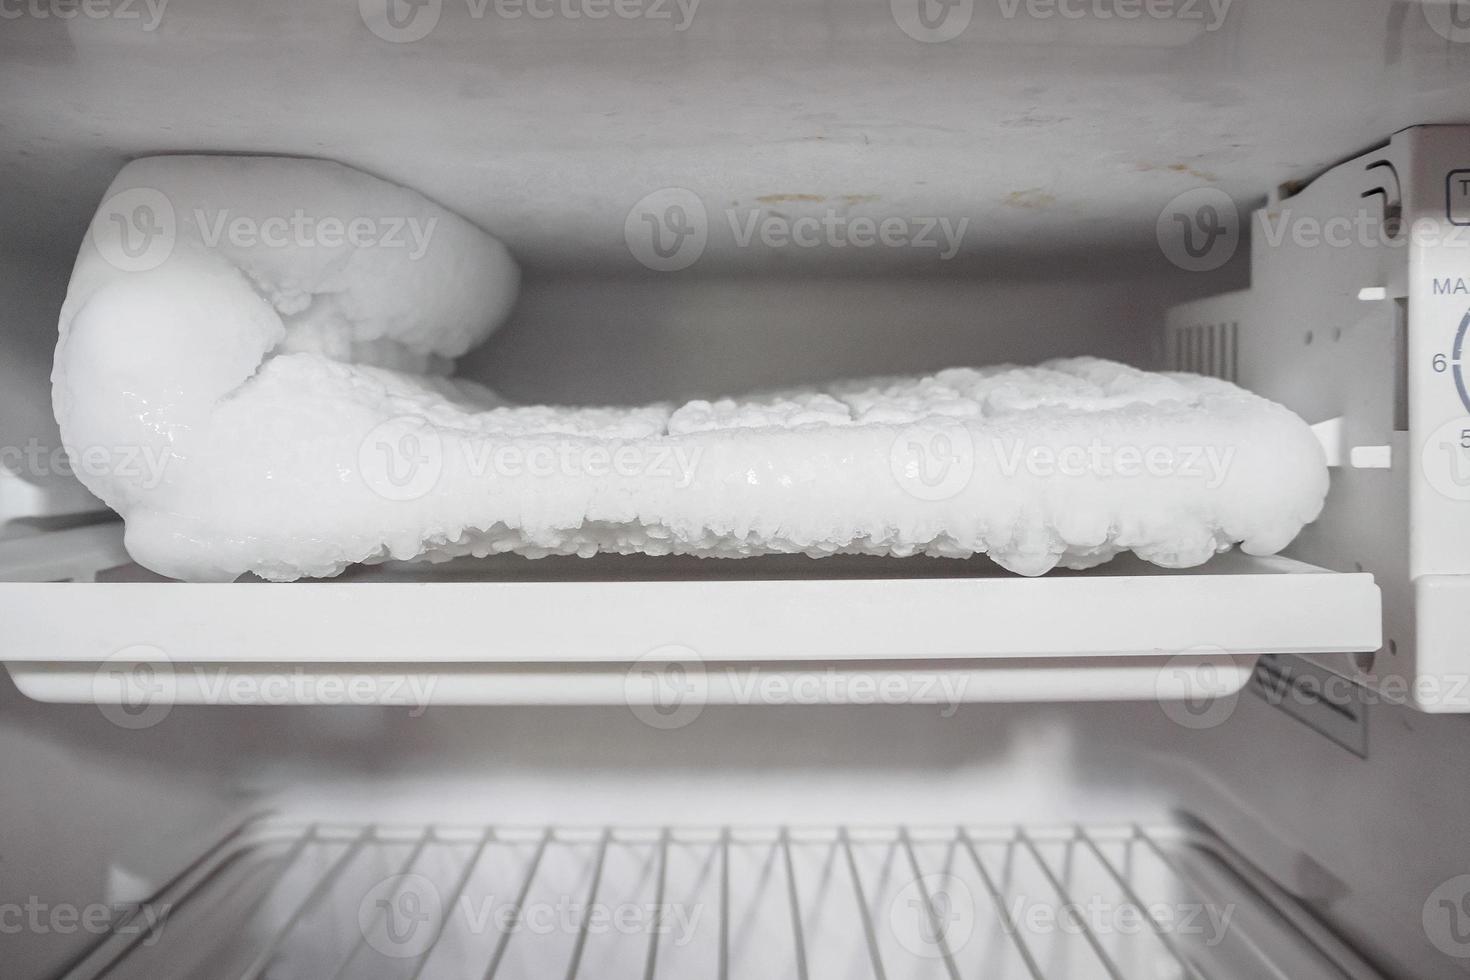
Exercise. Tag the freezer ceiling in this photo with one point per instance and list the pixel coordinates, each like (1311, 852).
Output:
(1047, 126)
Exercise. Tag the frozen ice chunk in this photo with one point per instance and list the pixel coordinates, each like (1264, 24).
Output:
(283, 410)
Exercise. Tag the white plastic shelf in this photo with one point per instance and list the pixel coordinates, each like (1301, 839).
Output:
(291, 902)
(566, 630)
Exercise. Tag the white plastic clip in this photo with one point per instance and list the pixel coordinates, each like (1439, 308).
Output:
(1371, 457)
(1329, 434)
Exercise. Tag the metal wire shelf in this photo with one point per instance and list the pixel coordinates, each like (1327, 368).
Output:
(278, 900)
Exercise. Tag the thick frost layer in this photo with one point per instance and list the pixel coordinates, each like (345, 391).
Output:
(284, 417)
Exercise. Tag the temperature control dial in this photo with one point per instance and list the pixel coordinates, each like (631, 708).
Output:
(1455, 365)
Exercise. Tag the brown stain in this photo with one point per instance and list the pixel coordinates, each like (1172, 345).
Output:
(1032, 198)
(1179, 168)
(1184, 168)
(790, 199)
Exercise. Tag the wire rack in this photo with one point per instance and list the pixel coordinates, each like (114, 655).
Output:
(287, 901)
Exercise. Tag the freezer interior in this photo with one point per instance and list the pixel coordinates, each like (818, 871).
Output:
(914, 768)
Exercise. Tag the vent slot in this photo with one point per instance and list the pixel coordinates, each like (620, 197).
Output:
(1206, 348)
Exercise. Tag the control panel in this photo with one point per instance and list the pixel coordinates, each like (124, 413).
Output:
(1358, 319)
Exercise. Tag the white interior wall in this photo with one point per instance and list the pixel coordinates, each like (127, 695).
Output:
(591, 340)
(1064, 139)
